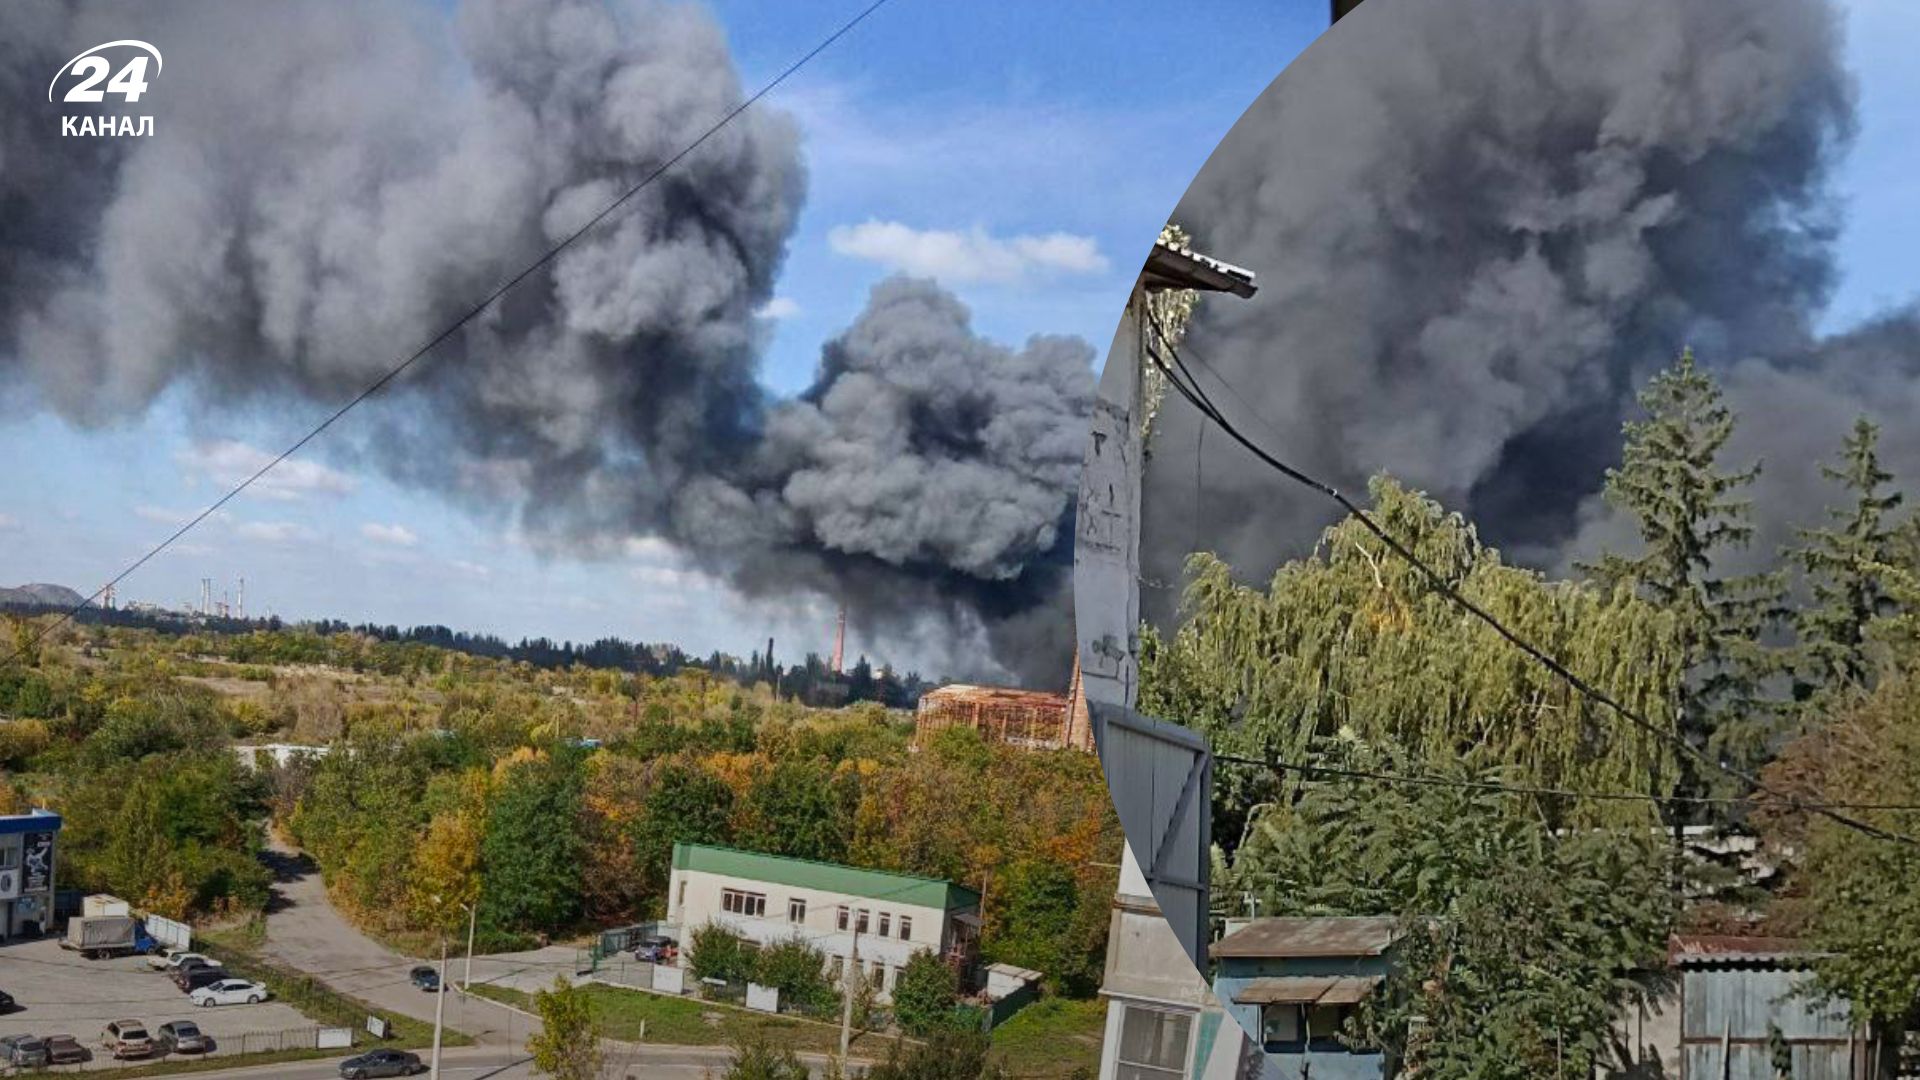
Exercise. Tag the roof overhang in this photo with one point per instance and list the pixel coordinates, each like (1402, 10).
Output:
(1169, 267)
(1308, 990)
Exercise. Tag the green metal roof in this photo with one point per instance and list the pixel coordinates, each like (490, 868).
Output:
(827, 877)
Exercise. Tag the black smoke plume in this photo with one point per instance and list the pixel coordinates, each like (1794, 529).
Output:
(1479, 225)
(328, 184)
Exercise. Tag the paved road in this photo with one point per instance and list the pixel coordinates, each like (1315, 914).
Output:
(305, 932)
(495, 1063)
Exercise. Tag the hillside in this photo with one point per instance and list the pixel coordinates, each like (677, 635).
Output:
(40, 595)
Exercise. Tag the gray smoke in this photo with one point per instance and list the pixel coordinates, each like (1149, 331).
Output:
(1479, 225)
(330, 183)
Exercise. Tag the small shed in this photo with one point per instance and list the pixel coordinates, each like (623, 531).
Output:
(1293, 983)
(1745, 999)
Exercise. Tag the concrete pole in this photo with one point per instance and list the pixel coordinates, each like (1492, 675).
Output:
(473, 916)
(439, 1012)
(849, 987)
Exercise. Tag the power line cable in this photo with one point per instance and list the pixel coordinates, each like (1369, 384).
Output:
(472, 313)
(1198, 398)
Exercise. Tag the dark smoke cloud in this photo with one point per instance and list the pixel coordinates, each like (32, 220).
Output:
(329, 183)
(1478, 225)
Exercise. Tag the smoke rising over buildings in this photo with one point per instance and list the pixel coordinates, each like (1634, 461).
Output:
(329, 184)
(1480, 225)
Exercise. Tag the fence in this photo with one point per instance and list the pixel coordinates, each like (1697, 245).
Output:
(225, 1046)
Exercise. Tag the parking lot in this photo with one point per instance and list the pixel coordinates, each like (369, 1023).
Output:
(59, 993)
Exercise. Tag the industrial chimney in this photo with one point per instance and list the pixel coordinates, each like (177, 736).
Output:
(840, 642)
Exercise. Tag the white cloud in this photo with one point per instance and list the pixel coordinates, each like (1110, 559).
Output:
(227, 463)
(472, 569)
(397, 535)
(271, 532)
(975, 256)
(780, 307)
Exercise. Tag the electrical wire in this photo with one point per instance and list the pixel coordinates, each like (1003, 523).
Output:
(472, 313)
(1189, 388)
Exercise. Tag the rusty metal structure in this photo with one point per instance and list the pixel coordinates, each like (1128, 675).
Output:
(1029, 719)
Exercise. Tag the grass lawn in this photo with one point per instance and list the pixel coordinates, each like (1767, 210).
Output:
(1052, 1037)
(637, 1016)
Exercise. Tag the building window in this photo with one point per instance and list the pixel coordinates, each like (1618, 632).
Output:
(906, 927)
(1325, 1022)
(736, 902)
(837, 968)
(1153, 1044)
(860, 921)
(886, 923)
(1280, 1023)
(893, 976)
(843, 917)
(796, 910)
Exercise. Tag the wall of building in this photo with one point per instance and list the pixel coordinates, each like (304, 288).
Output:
(1322, 1059)
(25, 910)
(694, 900)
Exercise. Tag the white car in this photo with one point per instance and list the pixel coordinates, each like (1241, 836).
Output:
(170, 959)
(229, 992)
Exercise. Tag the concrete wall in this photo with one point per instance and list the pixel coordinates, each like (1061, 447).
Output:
(694, 901)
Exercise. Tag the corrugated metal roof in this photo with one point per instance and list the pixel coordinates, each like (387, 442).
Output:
(1695, 950)
(995, 695)
(1308, 990)
(1170, 267)
(1349, 935)
(827, 877)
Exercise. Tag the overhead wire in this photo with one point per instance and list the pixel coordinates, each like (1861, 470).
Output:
(551, 253)
(1185, 384)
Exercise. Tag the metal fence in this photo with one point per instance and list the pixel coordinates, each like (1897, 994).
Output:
(226, 1046)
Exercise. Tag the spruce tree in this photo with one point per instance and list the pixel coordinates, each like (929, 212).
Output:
(1844, 565)
(1691, 513)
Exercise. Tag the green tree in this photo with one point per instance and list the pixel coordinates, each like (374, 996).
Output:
(1844, 565)
(567, 1046)
(1351, 638)
(803, 810)
(947, 1054)
(1036, 926)
(531, 848)
(718, 953)
(924, 994)
(1691, 512)
(760, 1060)
(686, 804)
(799, 971)
(1520, 942)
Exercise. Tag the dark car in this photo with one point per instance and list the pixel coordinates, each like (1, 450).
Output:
(425, 977)
(66, 1050)
(191, 979)
(655, 950)
(24, 1051)
(180, 1037)
(381, 1063)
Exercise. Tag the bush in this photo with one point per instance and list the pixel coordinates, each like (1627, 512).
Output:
(925, 994)
(719, 953)
(798, 971)
(758, 1061)
(948, 1055)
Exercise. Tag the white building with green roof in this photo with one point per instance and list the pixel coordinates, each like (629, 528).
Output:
(768, 899)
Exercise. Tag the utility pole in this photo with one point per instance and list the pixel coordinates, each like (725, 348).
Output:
(849, 987)
(439, 1011)
(473, 916)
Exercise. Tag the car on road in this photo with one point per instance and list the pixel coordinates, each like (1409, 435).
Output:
(169, 959)
(656, 950)
(230, 992)
(127, 1039)
(426, 977)
(181, 1037)
(24, 1051)
(65, 1050)
(381, 1063)
(189, 979)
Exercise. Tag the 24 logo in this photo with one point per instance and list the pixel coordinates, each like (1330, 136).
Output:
(91, 69)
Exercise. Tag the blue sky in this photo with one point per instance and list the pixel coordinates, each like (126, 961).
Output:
(1025, 154)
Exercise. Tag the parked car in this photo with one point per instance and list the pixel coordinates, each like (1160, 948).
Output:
(127, 1039)
(189, 979)
(656, 950)
(381, 1063)
(166, 959)
(65, 1050)
(229, 992)
(426, 977)
(24, 1051)
(181, 1037)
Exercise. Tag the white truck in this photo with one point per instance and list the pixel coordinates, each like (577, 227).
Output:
(98, 936)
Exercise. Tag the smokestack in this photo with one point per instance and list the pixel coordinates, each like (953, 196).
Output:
(771, 670)
(840, 641)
